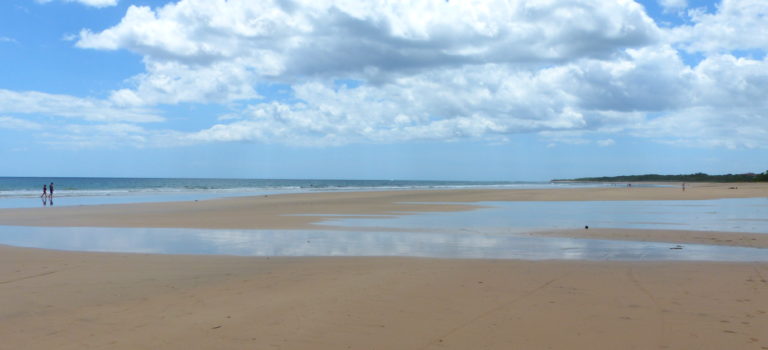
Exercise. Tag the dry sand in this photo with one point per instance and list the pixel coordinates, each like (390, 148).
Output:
(72, 300)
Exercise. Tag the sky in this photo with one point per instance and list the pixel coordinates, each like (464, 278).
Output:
(512, 90)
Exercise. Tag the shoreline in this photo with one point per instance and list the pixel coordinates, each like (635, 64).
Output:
(304, 210)
(309, 211)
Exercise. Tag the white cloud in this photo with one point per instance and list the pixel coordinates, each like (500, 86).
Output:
(606, 142)
(71, 107)
(247, 41)
(18, 124)
(171, 82)
(470, 102)
(648, 79)
(709, 127)
(94, 3)
(109, 135)
(570, 71)
(567, 137)
(673, 5)
(729, 83)
(481, 101)
(5, 39)
(493, 101)
(728, 107)
(736, 25)
(98, 3)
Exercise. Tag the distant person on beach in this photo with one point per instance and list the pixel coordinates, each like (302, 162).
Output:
(50, 188)
(45, 191)
(683, 186)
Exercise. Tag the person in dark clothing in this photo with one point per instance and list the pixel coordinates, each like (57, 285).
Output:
(50, 189)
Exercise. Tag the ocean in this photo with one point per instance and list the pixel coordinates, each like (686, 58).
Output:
(96, 186)
(19, 192)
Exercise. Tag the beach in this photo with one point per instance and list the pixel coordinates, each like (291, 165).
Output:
(80, 300)
(304, 210)
(336, 174)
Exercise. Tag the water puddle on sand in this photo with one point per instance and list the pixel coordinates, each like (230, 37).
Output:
(471, 245)
(725, 215)
(495, 232)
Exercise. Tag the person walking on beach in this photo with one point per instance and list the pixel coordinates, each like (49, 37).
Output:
(50, 190)
(45, 191)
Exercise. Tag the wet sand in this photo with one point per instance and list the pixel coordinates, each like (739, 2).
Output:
(69, 300)
(74, 300)
(736, 239)
(290, 211)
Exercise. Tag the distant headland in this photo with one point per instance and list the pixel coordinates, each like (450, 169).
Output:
(697, 177)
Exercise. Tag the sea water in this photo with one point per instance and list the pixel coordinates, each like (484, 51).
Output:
(25, 192)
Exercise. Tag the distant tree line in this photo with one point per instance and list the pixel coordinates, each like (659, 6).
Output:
(697, 177)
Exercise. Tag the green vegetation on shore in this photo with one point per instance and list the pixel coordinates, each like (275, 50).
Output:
(697, 177)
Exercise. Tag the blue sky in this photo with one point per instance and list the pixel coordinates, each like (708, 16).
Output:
(454, 90)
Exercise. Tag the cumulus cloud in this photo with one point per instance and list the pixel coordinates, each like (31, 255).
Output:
(727, 108)
(94, 3)
(569, 71)
(171, 83)
(371, 41)
(488, 101)
(72, 107)
(709, 127)
(494, 101)
(735, 25)
(468, 102)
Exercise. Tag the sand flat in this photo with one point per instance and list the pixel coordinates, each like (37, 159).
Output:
(69, 300)
(280, 211)
(74, 300)
(736, 239)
